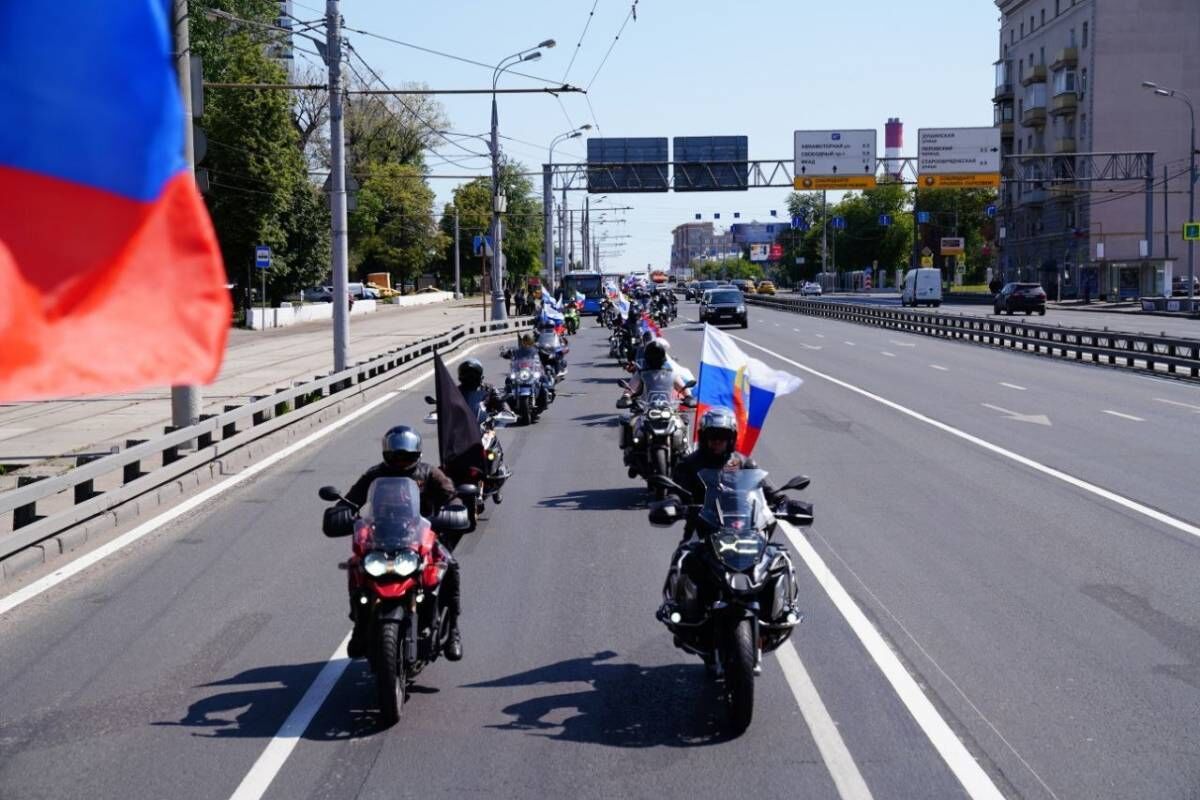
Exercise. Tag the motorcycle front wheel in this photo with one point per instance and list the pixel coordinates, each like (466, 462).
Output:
(389, 674)
(739, 677)
(660, 468)
(523, 412)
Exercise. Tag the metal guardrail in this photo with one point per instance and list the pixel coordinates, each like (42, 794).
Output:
(145, 466)
(1158, 354)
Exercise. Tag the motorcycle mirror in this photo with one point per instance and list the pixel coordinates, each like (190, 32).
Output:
(429, 399)
(623, 402)
(624, 384)
(798, 483)
(329, 494)
(690, 384)
(430, 418)
(506, 352)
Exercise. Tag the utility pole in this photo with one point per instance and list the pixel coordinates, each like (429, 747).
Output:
(337, 189)
(548, 225)
(457, 273)
(185, 400)
(585, 234)
(824, 231)
(571, 232)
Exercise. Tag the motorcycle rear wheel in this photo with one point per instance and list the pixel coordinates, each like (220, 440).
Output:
(389, 674)
(739, 677)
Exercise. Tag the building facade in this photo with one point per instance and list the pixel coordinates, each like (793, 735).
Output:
(1068, 85)
(694, 241)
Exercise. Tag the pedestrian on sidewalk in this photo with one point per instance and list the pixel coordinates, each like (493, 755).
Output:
(996, 285)
(520, 300)
(507, 301)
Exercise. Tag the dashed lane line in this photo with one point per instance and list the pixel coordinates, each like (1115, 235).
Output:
(1130, 417)
(1013, 386)
(1192, 406)
(939, 367)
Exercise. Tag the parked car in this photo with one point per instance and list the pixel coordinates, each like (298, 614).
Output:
(1027, 297)
(1179, 286)
(809, 288)
(724, 305)
(320, 294)
(765, 287)
(922, 287)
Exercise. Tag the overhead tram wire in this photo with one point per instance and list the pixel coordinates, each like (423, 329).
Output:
(579, 44)
(603, 61)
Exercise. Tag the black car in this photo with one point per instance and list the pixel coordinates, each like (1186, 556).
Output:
(699, 288)
(1027, 297)
(723, 305)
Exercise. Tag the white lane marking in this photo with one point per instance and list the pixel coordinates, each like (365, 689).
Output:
(1078, 483)
(810, 346)
(1123, 416)
(820, 336)
(850, 343)
(260, 776)
(72, 569)
(846, 777)
(902, 344)
(796, 330)
(1037, 419)
(960, 761)
(886, 353)
(939, 367)
(1013, 386)
(1177, 403)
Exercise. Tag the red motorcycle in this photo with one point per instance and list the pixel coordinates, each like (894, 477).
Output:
(395, 572)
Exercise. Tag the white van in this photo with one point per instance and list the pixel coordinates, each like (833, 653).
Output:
(922, 287)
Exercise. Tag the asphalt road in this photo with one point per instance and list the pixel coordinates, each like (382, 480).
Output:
(1054, 631)
(1132, 322)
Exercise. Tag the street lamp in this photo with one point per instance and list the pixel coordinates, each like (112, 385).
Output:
(1162, 91)
(548, 206)
(498, 200)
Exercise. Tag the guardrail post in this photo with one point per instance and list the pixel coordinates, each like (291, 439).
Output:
(170, 454)
(259, 417)
(26, 514)
(85, 490)
(132, 470)
(229, 429)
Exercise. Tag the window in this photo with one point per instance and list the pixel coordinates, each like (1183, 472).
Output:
(1032, 23)
(1019, 148)
(1085, 34)
(1031, 59)
(1072, 44)
(1042, 55)
(1083, 126)
(1043, 17)
(1012, 35)
(1020, 108)
(1035, 96)
(1064, 81)
(1022, 30)
(1057, 7)
(1021, 70)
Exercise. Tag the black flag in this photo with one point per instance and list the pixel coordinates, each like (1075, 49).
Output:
(460, 444)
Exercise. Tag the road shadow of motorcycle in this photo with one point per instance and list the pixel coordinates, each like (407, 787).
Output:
(624, 498)
(627, 704)
(266, 696)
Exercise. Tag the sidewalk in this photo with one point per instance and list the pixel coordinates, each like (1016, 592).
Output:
(51, 433)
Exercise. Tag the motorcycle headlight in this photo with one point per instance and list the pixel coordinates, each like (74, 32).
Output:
(655, 413)
(524, 375)
(375, 564)
(406, 563)
(738, 549)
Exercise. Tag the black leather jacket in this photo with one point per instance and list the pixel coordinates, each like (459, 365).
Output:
(485, 396)
(687, 473)
(436, 487)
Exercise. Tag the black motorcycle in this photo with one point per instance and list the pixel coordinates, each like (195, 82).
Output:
(528, 389)
(490, 481)
(730, 594)
(553, 349)
(395, 576)
(655, 436)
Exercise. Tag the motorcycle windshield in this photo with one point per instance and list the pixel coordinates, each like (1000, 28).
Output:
(548, 341)
(733, 499)
(522, 362)
(658, 385)
(392, 514)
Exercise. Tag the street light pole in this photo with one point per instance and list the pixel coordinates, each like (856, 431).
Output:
(498, 199)
(548, 267)
(1192, 179)
(185, 400)
(337, 190)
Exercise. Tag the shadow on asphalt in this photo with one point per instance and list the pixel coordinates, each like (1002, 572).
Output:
(608, 420)
(627, 705)
(624, 498)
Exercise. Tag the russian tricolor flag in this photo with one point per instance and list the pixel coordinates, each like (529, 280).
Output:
(110, 274)
(731, 379)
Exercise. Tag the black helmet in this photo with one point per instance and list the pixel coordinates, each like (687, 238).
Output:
(656, 355)
(718, 422)
(401, 447)
(470, 373)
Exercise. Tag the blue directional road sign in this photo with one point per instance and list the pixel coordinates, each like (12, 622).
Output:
(480, 243)
(924, 217)
(262, 257)
(839, 223)
(885, 220)
(991, 211)
(558, 262)
(798, 222)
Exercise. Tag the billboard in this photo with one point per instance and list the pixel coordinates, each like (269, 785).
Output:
(627, 165)
(755, 232)
(759, 252)
(711, 163)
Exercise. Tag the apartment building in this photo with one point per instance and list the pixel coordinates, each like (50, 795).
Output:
(1069, 82)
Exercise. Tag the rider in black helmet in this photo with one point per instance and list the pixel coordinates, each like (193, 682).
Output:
(476, 390)
(402, 459)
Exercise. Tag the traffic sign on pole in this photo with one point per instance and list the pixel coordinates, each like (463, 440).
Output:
(262, 257)
(924, 217)
(1191, 231)
(838, 223)
(885, 220)
(991, 212)
(835, 159)
(958, 157)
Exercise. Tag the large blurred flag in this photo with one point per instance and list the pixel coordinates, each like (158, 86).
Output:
(731, 379)
(110, 275)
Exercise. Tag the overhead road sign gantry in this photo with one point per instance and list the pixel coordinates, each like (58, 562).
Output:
(958, 158)
(835, 159)
(711, 163)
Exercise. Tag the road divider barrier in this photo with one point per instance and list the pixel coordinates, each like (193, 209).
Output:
(42, 519)
(1177, 357)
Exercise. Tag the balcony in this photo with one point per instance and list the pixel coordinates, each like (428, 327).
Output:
(1063, 104)
(1066, 145)
(1004, 85)
(1007, 129)
(1034, 117)
(1067, 57)
(1037, 74)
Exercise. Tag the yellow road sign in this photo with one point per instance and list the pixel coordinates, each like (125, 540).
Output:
(959, 181)
(835, 182)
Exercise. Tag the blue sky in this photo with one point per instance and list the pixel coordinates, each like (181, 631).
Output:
(700, 68)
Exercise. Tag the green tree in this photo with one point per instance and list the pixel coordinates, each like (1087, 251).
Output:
(959, 212)
(392, 228)
(260, 192)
